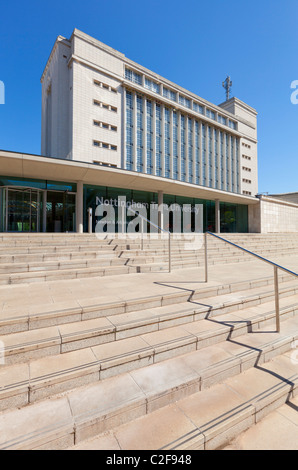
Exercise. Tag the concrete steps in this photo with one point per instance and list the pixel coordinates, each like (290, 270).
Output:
(230, 296)
(75, 370)
(227, 388)
(207, 419)
(46, 257)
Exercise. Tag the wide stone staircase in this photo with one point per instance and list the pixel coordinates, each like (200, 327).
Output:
(189, 366)
(47, 257)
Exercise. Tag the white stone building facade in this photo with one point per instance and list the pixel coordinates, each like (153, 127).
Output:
(100, 107)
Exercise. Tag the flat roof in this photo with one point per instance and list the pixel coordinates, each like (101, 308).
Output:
(24, 165)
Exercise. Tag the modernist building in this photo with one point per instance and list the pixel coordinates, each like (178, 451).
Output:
(112, 128)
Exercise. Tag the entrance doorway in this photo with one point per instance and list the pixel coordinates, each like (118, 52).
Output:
(60, 211)
(22, 210)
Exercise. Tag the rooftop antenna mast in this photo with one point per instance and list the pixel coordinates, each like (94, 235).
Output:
(227, 84)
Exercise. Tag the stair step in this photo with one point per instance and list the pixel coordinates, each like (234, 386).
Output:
(224, 391)
(54, 369)
(204, 420)
(13, 321)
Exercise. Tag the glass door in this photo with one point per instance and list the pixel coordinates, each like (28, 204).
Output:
(60, 211)
(22, 210)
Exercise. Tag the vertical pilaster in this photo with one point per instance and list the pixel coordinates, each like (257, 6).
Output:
(79, 207)
(44, 211)
(217, 216)
(160, 209)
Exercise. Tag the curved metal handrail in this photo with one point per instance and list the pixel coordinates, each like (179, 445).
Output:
(261, 258)
(254, 254)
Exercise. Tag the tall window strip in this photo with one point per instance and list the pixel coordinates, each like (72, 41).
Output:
(237, 164)
(183, 149)
(139, 133)
(216, 160)
(197, 153)
(149, 136)
(210, 165)
(158, 143)
(190, 151)
(228, 157)
(204, 146)
(232, 163)
(167, 141)
(129, 131)
(175, 146)
(222, 157)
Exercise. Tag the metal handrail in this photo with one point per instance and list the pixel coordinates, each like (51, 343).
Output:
(159, 228)
(275, 266)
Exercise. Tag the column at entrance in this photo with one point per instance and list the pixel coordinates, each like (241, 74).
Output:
(79, 207)
(160, 210)
(217, 216)
(44, 211)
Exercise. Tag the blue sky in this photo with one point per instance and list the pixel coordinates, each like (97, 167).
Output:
(193, 43)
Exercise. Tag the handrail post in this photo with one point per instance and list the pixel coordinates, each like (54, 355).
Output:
(170, 260)
(206, 258)
(276, 299)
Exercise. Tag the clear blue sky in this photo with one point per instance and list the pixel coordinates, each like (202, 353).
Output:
(193, 43)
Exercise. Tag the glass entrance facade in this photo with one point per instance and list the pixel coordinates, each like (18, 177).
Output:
(37, 205)
(49, 206)
(234, 217)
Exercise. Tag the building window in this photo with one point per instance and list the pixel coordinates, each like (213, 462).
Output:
(184, 101)
(232, 125)
(105, 86)
(183, 147)
(149, 136)
(104, 105)
(158, 141)
(139, 133)
(190, 150)
(198, 108)
(129, 131)
(175, 146)
(104, 125)
(167, 93)
(167, 142)
(222, 120)
(104, 145)
(210, 114)
(133, 77)
(197, 153)
(150, 85)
